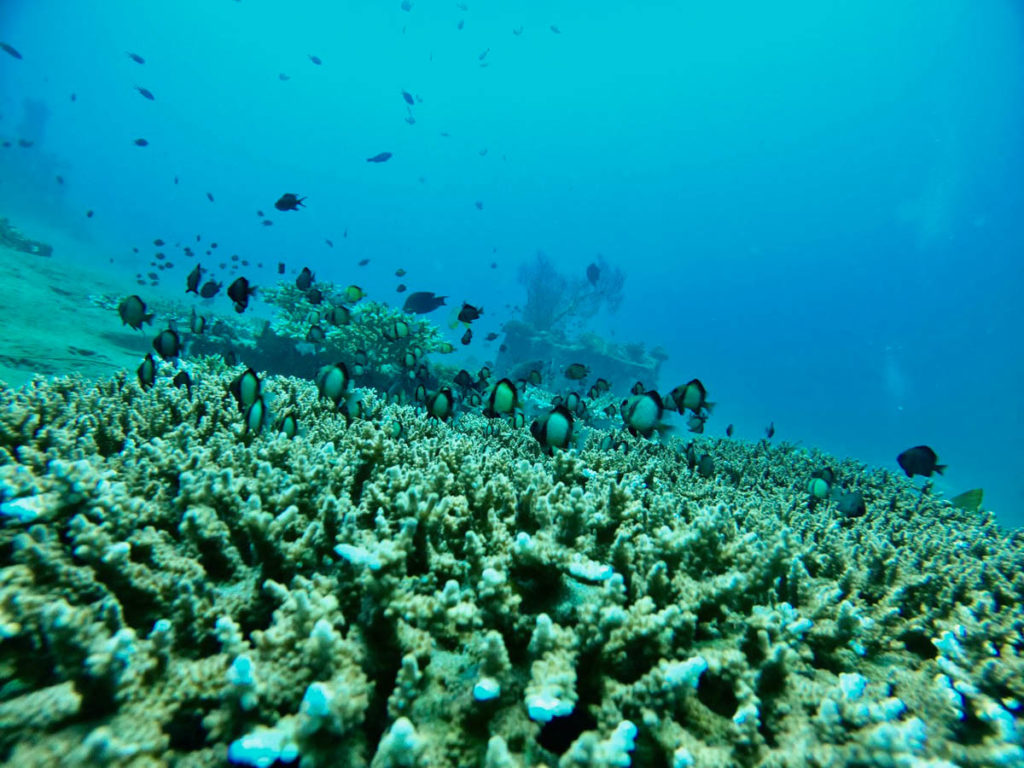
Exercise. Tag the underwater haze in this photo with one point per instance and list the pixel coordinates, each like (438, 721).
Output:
(817, 207)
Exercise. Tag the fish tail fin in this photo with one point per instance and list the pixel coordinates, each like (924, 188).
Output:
(148, 318)
(709, 407)
(940, 468)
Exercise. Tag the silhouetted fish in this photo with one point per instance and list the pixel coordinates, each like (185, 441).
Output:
(920, 460)
(135, 57)
(10, 49)
(289, 202)
(145, 92)
(383, 157)
(408, 97)
(422, 302)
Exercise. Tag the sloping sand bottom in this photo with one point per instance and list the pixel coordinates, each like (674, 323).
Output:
(51, 327)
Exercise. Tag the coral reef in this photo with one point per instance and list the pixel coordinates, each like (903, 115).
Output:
(177, 591)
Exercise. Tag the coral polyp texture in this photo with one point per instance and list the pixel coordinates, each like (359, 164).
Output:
(176, 590)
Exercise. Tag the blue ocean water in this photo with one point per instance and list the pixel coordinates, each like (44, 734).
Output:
(817, 206)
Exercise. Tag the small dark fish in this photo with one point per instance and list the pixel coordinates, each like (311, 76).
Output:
(696, 423)
(383, 157)
(304, 280)
(158, 242)
(469, 313)
(256, 416)
(338, 315)
(267, 223)
(706, 467)
(467, 336)
(314, 296)
(554, 429)
(74, 97)
(315, 59)
(209, 196)
(145, 92)
(770, 430)
(175, 179)
(260, 214)
(502, 400)
(147, 371)
(289, 425)
(577, 371)
(399, 272)
(283, 77)
(10, 49)
(246, 389)
(135, 57)
(363, 262)
(167, 344)
(593, 273)
(555, 29)
(479, 205)
(920, 460)
(642, 414)
(210, 289)
(333, 381)
(289, 202)
(197, 323)
(440, 405)
(728, 431)
(491, 336)
(408, 97)
(422, 302)
(400, 288)
(483, 55)
(239, 292)
(182, 379)
(280, 267)
(133, 312)
(517, 31)
(192, 281)
(141, 143)
(852, 504)
(692, 395)
(316, 335)
(330, 243)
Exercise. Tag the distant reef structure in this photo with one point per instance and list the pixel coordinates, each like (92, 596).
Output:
(10, 237)
(397, 591)
(551, 332)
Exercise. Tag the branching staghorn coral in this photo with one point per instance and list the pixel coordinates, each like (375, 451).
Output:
(178, 591)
